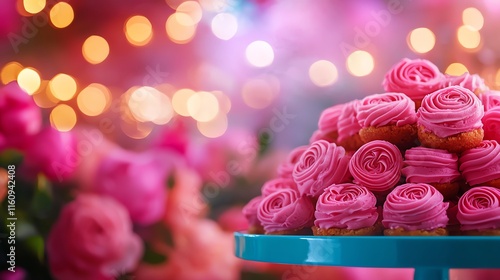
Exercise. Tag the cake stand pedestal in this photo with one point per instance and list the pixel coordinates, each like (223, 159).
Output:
(432, 257)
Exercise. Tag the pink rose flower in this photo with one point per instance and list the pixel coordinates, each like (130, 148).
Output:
(53, 153)
(202, 252)
(185, 203)
(137, 180)
(20, 119)
(92, 239)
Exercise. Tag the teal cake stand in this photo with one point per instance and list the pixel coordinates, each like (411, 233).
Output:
(432, 257)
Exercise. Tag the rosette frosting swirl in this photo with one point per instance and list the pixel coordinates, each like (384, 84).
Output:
(471, 82)
(329, 118)
(479, 209)
(376, 165)
(491, 124)
(415, 78)
(321, 165)
(285, 210)
(481, 164)
(348, 124)
(450, 111)
(415, 207)
(285, 169)
(250, 210)
(490, 99)
(386, 109)
(346, 206)
(278, 184)
(427, 165)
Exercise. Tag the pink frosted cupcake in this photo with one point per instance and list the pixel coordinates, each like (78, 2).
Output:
(490, 99)
(472, 82)
(286, 212)
(390, 117)
(480, 166)
(285, 169)
(377, 166)
(346, 209)
(450, 119)
(348, 127)
(415, 78)
(250, 213)
(435, 167)
(491, 124)
(479, 211)
(320, 166)
(328, 124)
(278, 184)
(415, 209)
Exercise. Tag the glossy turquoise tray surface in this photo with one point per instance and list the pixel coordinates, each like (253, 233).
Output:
(431, 256)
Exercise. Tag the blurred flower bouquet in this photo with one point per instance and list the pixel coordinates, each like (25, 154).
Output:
(74, 205)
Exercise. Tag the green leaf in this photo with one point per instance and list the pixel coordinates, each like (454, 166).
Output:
(42, 201)
(151, 256)
(36, 245)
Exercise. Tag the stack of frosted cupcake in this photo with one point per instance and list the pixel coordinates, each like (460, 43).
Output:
(421, 158)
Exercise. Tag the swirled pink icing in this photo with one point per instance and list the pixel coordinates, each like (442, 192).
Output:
(329, 118)
(481, 164)
(278, 184)
(479, 209)
(491, 124)
(346, 206)
(285, 169)
(427, 165)
(285, 209)
(321, 165)
(250, 210)
(471, 82)
(386, 109)
(450, 111)
(415, 78)
(490, 99)
(348, 124)
(415, 207)
(377, 165)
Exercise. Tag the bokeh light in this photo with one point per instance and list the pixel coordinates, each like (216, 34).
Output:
(323, 73)
(360, 63)
(456, 69)
(180, 100)
(224, 101)
(216, 5)
(94, 99)
(421, 40)
(95, 49)
(258, 93)
(214, 128)
(148, 104)
(224, 26)
(138, 30)
(44, 97)
(468, 37)
(259, 54)
(61, 15)
(63, 117)
(177, 29)
(29, 80)
(473, 18)
(10, 71)
(203, 106)
(192, 9)
(135, 129)
(33, 6)
(63, 87)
